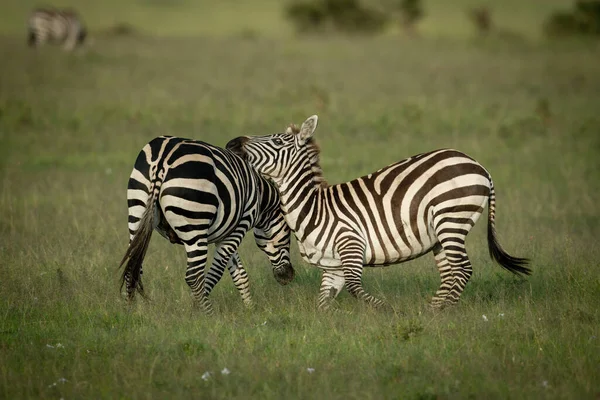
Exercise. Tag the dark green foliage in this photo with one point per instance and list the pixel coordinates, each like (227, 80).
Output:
(349, 16)
(583, 20)
(412, 11)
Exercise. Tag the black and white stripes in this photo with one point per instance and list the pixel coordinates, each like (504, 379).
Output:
(56, 26)
(194, 194)
(425, 203)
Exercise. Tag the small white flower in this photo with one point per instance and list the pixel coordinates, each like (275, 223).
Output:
(545, 384)
(501, 315)
(484, 317)
(264, 323)
(206, 375)
(225, 371)
(59, 345)
(310, 370)
(62, 380)
(51, 385)
(49, 346)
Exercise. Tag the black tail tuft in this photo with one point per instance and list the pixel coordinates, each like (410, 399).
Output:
(137, 251)
(31, 41)
(515, 265)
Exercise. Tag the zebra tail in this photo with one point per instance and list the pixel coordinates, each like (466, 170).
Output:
(137, 248)
(31, 38)
(515, 265)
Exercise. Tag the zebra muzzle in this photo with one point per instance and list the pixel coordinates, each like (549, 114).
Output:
(284, 274)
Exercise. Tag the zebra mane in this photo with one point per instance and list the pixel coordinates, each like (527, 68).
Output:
(313, 151)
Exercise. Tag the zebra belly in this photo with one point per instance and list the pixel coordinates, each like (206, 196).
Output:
(318, 257)
(395, 250)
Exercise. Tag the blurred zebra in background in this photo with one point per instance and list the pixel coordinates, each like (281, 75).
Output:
(194, 194)
(61, 26)
(426, 203)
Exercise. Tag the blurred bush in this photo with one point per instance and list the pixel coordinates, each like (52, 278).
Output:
(583, 20)
(349, 16)
(481, 17)
(411, 11)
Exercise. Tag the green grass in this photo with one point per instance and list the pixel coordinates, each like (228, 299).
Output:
(71, 126)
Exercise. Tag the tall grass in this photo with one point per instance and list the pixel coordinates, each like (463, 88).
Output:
(72, 124)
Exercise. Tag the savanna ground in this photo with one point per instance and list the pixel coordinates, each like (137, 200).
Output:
(71, 126)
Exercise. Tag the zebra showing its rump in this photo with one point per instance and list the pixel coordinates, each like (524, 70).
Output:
(56, 26)
(194, 194)
(428, 202)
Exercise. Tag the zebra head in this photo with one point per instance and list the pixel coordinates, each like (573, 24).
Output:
(272, 236)
(276, 155)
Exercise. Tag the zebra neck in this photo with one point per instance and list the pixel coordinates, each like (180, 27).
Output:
(299, 195)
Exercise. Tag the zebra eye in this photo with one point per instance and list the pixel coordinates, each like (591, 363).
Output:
(278, 141)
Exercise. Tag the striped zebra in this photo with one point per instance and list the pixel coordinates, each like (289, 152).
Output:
(428, 202)
(194, 194)
(56, 26)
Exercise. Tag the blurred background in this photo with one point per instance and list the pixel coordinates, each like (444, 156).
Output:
(282, 18)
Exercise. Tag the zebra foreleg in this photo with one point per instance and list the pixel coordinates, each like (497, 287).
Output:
(332, 283)
(197, 255)
(446, 277)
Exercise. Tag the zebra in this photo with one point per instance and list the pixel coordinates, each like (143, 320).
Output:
(56, 25)
(424, 203)
(193, 194)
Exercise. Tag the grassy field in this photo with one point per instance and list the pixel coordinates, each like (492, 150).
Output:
(71, 126)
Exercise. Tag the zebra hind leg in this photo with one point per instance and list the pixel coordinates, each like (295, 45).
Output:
(446, 276)
(352, 252)
(225, 252)
(460, 266)
(461, 271)
(240, 279)
(238, 275)
(332, 283)
(197, 256)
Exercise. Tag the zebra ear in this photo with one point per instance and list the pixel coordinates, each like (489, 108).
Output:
(308, 127)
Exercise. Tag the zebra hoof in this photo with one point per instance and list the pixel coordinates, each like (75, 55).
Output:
(285, 274)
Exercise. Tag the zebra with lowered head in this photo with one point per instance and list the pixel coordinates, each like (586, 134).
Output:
(428, 202)
(62, 26)
(194, 194)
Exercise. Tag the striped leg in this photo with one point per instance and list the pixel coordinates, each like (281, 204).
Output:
(238, 274)
(352, 250)
(70, 42)
(197, 255)
(332, 283)
(224, 251)
(447, 279)
(240, 279)
(461, 271)
(451, 233)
